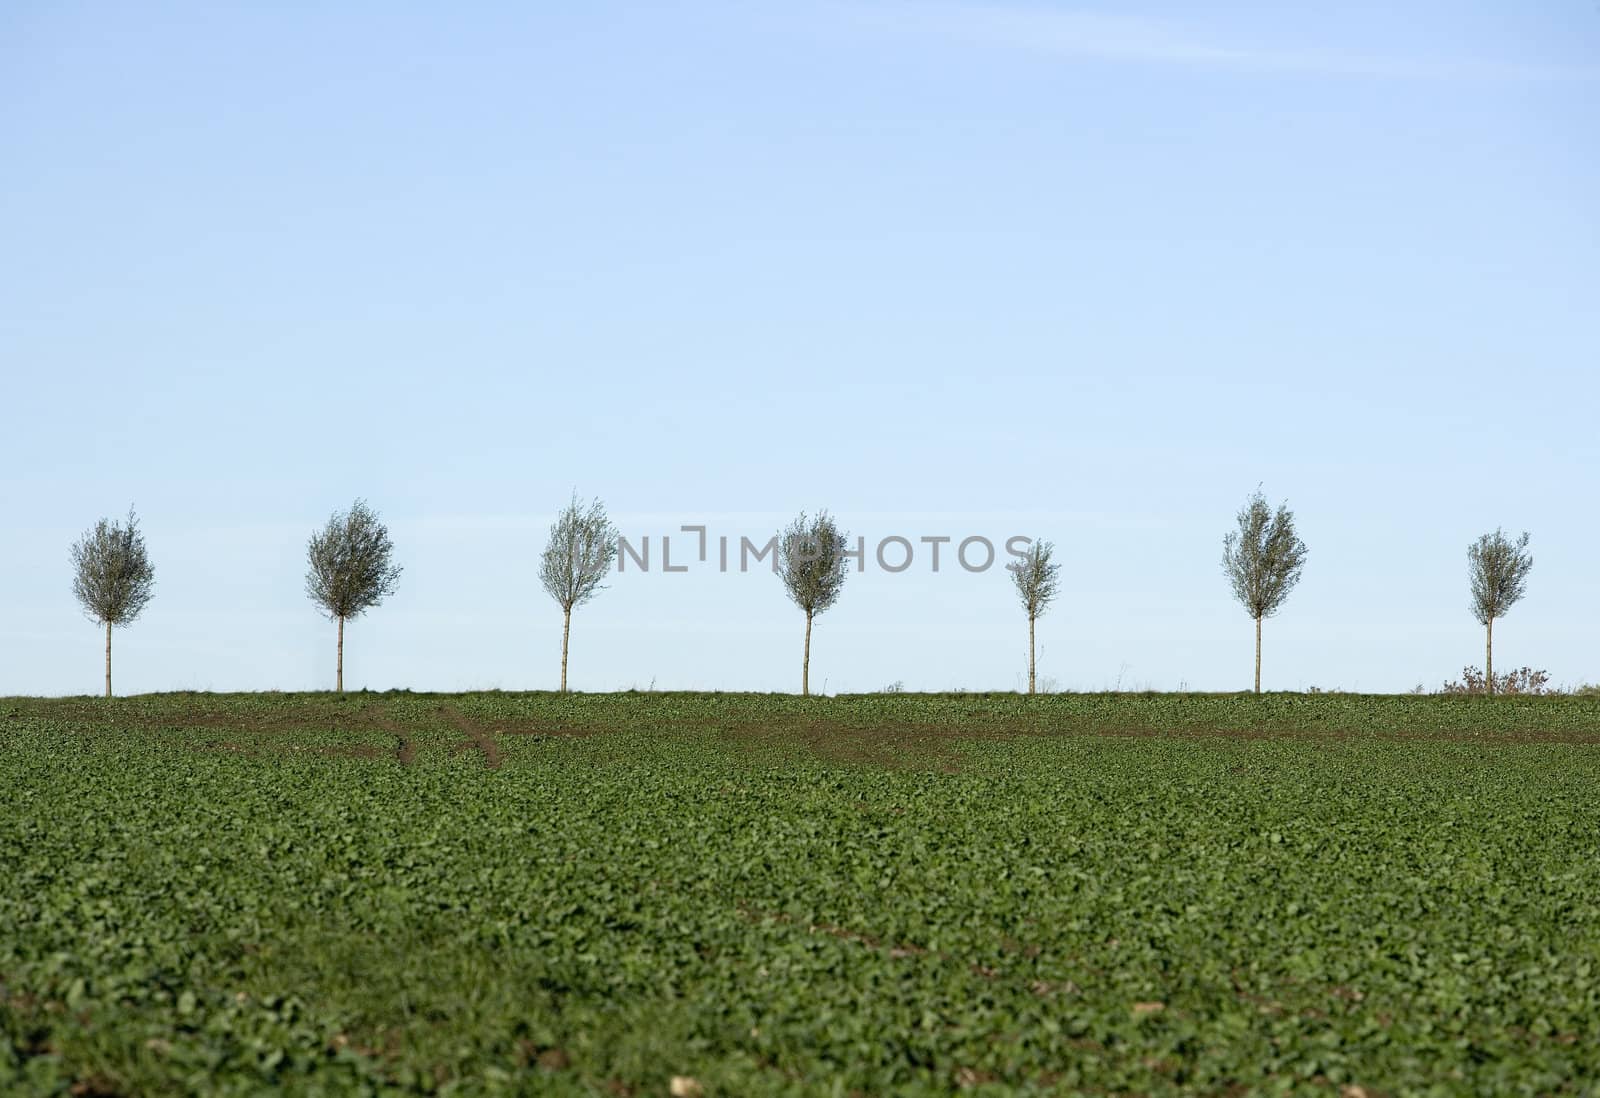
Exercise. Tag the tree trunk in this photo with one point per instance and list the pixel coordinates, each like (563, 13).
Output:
(1258, 655)
(566, 631)
(108, 659)
(805, 662)
(338, 668)
(1488, 658)
(1030, 654)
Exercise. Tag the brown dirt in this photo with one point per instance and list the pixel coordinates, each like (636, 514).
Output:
(476, 736)
(890, 745)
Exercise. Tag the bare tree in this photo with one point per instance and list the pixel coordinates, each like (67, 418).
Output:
(1036, 576)
(811, 563)
(581, 550)
(1499, 570)
(1262, 560)
(112, 576)
(350, 569)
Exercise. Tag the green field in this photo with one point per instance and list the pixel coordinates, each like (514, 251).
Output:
(888, 894)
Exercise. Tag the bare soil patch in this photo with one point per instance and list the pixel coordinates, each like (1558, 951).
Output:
(476, 735)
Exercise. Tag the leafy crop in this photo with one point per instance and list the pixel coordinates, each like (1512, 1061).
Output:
(480, 894)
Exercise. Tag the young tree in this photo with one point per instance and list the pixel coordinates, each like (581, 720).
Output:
(811, 563)
(1036, 577)
(1499, 571)
(350, 569)
(112, 576)
(581, 550)
(1262, 560)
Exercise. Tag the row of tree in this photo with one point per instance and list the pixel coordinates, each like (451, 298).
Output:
(1263, 559)
(351, 569)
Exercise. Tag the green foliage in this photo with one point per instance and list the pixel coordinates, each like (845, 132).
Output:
(580, 551)
(1036, 577)
(1498, 569)
(812, 561)
(888, 893)
(1264, 557)
(112, 577)
(349, 563)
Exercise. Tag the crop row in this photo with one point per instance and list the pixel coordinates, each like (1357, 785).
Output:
(215, 893)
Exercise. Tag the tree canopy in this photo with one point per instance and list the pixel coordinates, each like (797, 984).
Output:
(811, 561)
(1037, 577)
(112, 576)
(1263, 558)
(1499, 570)
(350, 566)
(581, 550)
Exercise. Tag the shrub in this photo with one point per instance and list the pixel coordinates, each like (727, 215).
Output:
(1524, 680)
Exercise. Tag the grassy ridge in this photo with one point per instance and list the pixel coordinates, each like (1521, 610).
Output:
(885, 894)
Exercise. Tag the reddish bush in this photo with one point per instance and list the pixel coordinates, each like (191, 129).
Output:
(1524, 680)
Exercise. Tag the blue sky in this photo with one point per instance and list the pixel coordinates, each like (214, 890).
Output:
(1083, 273)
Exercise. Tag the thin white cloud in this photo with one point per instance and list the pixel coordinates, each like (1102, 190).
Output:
(1136, 39)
